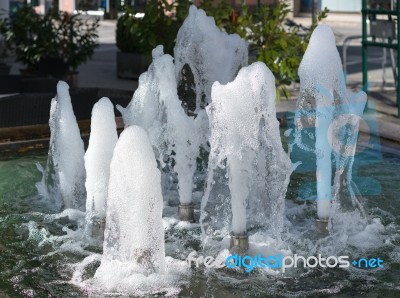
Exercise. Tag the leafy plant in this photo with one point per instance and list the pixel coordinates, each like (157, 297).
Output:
(76, 37)
(54, 35)
(3, 32)
(159, 25)
(221, 11)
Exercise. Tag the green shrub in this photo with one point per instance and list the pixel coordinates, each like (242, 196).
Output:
(159, 25)
(54, 35)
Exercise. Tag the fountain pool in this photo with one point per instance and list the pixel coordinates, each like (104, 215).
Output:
(40, 250)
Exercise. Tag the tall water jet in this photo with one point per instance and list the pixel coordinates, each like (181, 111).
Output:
(155, 106)
(64, 176)
(203, 55)
(323, 101)
(103, 137)
(245, 143)
(208, 53)
(134, 235)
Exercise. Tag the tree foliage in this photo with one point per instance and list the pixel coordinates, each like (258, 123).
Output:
(54, 35)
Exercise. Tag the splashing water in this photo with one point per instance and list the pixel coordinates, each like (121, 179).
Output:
(325, 105)
(248, 172)
(245, 143)
(103, 137)
(134, 235)
(133, 259)
(156, 107)
(63, 180)
(212, 55)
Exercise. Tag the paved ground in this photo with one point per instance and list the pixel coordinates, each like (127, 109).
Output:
(100, 71)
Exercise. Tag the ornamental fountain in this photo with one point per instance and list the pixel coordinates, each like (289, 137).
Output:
(232, 116)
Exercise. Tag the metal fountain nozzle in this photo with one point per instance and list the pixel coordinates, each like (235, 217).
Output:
(186, 212)
(97, 228)
(322, 225)
(239, 243)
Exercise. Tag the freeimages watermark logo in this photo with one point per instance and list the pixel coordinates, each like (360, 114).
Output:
(281, 262)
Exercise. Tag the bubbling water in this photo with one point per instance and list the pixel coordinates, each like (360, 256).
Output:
(156, 107)
(245, 143)
(134, 234)
(133, 259)
(103, 137)
(63, 180)
(324, 104)
(211, 55)
(234, 117)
